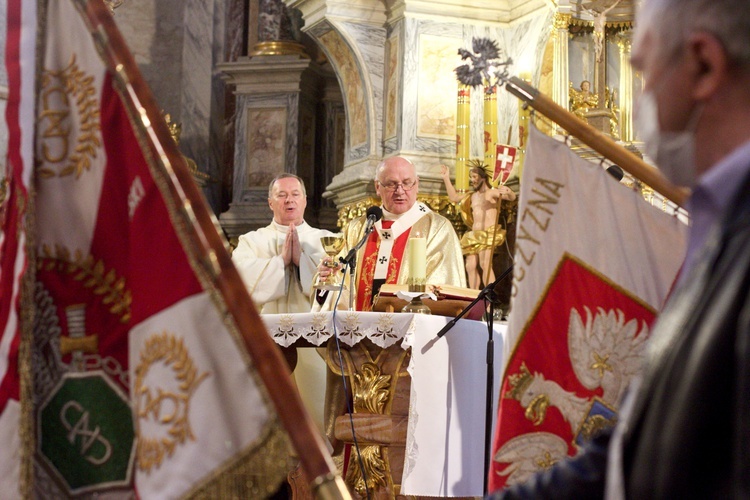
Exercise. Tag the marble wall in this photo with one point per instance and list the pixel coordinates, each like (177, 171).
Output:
(395, 69)
(177, 44)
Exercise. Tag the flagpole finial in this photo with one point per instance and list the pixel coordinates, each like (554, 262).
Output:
(113, 4)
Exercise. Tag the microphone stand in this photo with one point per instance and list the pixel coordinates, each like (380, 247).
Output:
(488, 293)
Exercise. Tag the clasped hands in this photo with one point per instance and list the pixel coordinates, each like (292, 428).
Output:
(291, 250)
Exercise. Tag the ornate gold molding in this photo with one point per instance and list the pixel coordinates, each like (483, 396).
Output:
(370, 389)
(561, 21)
(279, 48)
(375, 467)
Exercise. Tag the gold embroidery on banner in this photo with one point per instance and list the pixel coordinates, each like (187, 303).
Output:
(55, 121)
(267, 449)
(92, 274)
(169, 409)
(253, 473)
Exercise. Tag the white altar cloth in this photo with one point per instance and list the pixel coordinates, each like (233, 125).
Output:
(445, 436)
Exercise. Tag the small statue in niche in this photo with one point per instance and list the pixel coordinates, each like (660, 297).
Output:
(610, 102)
(581, 101)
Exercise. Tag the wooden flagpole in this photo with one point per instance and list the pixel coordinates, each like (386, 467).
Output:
(597, 140)
(214, 256)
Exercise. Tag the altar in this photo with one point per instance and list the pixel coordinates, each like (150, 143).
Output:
(418, 400)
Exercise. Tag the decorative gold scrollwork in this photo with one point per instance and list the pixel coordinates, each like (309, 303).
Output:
(370, 389)
(375, 468)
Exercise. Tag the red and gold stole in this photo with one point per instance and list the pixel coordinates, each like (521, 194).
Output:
(369, 261)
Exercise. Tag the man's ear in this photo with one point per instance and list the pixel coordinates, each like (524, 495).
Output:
(711, 64)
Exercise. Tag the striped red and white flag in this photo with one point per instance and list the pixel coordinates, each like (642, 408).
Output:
(152, 371)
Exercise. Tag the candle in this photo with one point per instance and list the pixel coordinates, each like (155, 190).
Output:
(463, 116)
(418, 259)
(523, 128)
(490, 126)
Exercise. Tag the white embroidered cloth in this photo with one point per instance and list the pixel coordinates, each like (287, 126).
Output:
(445, 434)
(383, 329)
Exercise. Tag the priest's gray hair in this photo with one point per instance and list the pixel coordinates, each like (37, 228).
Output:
(673, 21)
(381, 166)
(286, 175)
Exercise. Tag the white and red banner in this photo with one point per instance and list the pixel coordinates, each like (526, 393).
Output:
(141, 382)
(594, 263)
(20, 48)
(505, 160)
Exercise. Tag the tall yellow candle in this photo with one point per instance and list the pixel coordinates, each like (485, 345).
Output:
(417, 259)
(524, 112)
(490, 126)
(463, 116)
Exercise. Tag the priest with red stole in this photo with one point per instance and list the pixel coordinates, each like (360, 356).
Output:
(383, 258)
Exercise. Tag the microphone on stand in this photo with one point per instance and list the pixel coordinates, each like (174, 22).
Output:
(374, 214)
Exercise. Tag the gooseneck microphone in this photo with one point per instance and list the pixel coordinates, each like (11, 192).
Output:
(374, 214)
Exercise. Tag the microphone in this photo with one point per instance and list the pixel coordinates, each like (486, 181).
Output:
(374, 214)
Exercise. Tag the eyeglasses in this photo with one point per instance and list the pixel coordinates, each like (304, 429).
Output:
(407, 185)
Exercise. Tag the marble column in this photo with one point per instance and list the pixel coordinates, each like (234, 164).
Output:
(560, 66)
(267, 115)
(274, 126)
(277, 30)
(624, 42)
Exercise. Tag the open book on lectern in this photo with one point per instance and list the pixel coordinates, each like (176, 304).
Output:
(451, 300)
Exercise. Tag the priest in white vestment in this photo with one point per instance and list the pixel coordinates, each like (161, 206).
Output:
(384, 259)
(278, 263)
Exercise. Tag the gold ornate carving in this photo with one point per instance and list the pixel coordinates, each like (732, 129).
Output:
(167, 349)
(175, 130)
(279, 48)
(56, 89)
(93, 274)
(351, 211)
(375, 468)
(370, 389)
(437, 203)
(561, 21)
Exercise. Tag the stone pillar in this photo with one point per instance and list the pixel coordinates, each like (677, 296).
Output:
(277, 33)
(274, 120)
(268, 93)
(560, 66)
(624, 42)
